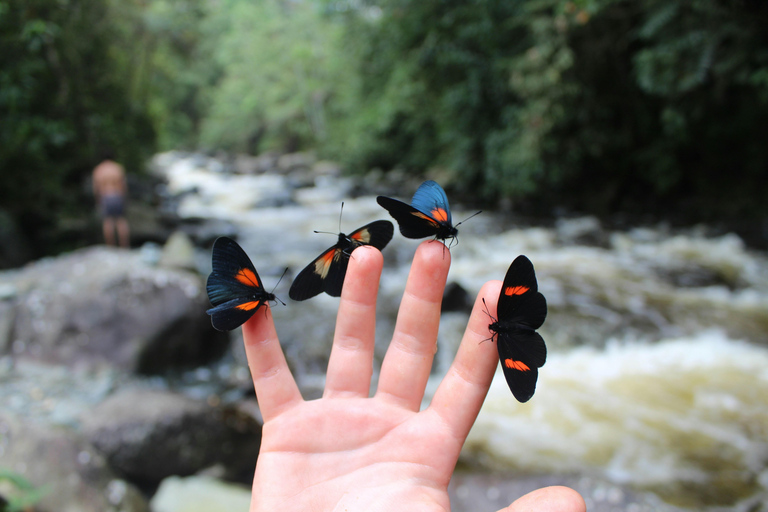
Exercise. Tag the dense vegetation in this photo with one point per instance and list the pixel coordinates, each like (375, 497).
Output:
(592, 105)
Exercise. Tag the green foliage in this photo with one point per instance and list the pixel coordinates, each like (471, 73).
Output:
(21, 494)
(280, 64)
(61, 101)
(597, 105)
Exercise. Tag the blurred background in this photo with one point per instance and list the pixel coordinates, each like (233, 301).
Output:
(616, 143)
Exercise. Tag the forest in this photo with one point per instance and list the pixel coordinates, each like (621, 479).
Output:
(651, 109)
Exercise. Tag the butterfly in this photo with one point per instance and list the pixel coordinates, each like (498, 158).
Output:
(326, 272)
(234, 287)
(521, 309)
(427, 215)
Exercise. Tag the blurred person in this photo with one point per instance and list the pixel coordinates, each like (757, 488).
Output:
(111, 191)
(349, 451)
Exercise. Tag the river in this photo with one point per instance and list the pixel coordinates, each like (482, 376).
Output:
(657, 374)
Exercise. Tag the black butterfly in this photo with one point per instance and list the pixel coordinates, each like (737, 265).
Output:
(234, 287)
(326, 272)
(522, 310)
(427, 215)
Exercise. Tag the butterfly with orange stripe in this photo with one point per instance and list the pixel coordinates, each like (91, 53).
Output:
(521, 310)
(234, 287)
(428, 214)
(326, 272)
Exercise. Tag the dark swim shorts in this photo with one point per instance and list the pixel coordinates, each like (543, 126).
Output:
(112, 205)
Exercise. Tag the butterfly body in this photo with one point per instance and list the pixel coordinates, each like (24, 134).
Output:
(326, 272)
(234, 287)
(428, 214)
(521, 310)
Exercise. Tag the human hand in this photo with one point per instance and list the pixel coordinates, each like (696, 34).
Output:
(349, 452)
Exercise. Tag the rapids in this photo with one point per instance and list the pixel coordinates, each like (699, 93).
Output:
(657, 374)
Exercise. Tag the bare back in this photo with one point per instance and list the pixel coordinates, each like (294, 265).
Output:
(109, 179)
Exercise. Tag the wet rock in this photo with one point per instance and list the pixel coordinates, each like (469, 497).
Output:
(582, 231)
(199, 494)
(148, 435)
(67, 472)
(456, 298)
(105, 306)
(178, 252)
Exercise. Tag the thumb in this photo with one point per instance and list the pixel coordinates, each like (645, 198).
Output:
(549, 499)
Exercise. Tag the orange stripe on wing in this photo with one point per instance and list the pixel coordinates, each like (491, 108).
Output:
(516, 365)
(247, 277)
(248, 306)
(515, 290)
(323, 263)
(363, 236)
(440, 214)
(423, 216)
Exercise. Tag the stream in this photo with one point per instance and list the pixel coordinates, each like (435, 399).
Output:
(657, 373)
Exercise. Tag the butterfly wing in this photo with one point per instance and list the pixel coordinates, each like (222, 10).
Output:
(314, 278)
(234, 287)
(377, 233)
(520, 368)
(412, 222)
(431, 200)
(520, 301)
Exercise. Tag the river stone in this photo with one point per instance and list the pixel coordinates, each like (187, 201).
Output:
(200, 494)
(148, 435)
(106, 306)
(69, 473)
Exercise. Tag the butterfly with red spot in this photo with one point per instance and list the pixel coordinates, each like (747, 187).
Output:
(427, 215)
(521, 310)
(234, 287)
(326, 272)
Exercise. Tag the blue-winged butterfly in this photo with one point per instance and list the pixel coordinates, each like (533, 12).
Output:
(428, 214)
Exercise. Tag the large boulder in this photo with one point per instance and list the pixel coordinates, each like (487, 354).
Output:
(65, 472)
(105, 306)
(148, 435)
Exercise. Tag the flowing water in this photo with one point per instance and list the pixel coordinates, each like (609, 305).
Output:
(657, 374)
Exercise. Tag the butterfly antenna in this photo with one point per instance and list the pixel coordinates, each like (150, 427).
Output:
(476, 213)
(485, 305)
(276, 285)
(341, 211)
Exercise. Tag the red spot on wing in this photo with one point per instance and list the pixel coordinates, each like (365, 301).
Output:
(248, 306)
(440, 214)
(247, 277)
(515, 290)
(516, 365)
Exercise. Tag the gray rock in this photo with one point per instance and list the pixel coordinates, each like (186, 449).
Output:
(200, 494)
(178, 252)
(148, 435)
(105, 306)
(68, 473)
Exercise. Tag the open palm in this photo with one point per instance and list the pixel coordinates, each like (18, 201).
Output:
(351, 452)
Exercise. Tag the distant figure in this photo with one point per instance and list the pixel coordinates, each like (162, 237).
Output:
(110, 189)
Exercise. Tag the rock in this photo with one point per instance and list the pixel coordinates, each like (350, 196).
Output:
(582, 231)
(199, 494)
(149, 435)
(178, 252)
(456, 298)
(66, 471)
(105, 306)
